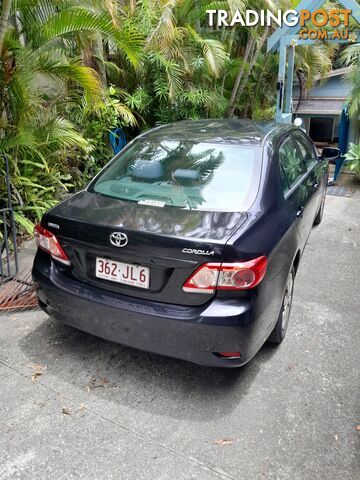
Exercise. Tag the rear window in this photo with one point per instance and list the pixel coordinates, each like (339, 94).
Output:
(202, 176)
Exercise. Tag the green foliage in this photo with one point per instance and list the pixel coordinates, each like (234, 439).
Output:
(353, 156)
(72, 71)
(97, 121)
(266, 114)
(351, 58)
(291, 165)
(55, 113)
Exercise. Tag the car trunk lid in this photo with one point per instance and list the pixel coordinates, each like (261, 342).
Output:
(171, 242)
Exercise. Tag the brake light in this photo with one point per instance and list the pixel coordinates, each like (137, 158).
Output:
(226, 276)
(47, 241)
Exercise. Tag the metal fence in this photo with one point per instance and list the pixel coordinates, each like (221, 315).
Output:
(9, 259)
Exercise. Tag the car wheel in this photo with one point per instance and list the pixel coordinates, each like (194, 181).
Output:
(278, 334)
(319, 215)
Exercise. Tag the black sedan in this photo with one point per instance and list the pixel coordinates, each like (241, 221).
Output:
(188, 242)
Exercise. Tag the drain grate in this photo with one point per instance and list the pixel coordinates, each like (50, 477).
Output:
(341, 191)
(18, 294)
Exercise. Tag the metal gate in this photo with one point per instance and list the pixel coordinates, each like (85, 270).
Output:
(9, 259)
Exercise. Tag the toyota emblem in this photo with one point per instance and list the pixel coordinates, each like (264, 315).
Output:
(118, 239)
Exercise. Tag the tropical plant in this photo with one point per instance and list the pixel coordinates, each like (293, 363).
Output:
(43, 82)
(72, 71)
(312, 64)
(351, 58)
(353, 157)
(181, 66)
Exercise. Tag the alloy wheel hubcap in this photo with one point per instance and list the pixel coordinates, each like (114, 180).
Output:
(287, 302)
(322, 203)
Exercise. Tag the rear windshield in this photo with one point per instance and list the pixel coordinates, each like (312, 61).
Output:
(202, 176)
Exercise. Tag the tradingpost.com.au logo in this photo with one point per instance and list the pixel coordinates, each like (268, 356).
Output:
(336, 21)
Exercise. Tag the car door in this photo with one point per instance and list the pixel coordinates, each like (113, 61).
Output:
(315, 169)
(298, 186)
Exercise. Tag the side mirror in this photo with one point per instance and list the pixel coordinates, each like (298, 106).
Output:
(330, 153)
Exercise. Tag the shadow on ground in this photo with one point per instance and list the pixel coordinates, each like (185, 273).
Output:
(141, 380)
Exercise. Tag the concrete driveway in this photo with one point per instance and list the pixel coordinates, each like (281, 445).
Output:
(74, 406)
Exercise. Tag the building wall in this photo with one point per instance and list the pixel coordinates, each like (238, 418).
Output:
(335, 120)
(331, 87)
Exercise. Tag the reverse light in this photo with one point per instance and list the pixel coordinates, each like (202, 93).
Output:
(47, 241)
(226, 276)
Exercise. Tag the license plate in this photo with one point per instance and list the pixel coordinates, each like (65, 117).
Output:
(119, 272)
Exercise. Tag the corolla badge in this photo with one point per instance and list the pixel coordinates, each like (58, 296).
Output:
(54, 225)
(198, 252)
(118, 239)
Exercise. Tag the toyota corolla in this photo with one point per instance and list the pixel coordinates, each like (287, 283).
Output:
(188, 242)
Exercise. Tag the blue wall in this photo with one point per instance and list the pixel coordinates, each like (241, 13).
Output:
(332, 87)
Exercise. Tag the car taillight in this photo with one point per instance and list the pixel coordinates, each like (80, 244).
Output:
(226, 276)
(47, 241)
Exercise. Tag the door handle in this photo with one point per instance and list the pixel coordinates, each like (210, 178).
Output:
(300, 212)
(316, 185)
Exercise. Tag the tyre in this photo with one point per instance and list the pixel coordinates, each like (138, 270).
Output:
(319, 215)
(278, 334)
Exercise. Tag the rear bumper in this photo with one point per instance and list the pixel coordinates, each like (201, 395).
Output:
(189, 333)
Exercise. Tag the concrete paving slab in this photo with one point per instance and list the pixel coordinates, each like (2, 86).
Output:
(40, 441)
(291, 413)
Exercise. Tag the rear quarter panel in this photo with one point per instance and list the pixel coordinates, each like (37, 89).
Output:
(270, 230)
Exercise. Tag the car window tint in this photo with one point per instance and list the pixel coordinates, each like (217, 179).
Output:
(284, 181)
(306, 149)
(184, 174)
(291, 162)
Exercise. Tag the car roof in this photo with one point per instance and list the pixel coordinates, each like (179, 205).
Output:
(224, 131)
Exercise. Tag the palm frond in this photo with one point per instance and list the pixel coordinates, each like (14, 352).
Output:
(213, 51)
(353, 100)
(351, 55)
(76, 19)
(70, 70)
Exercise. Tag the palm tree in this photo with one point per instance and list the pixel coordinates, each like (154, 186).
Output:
(351, 58)
(70, 71)
(255, 45)
(312, 63)
(5, 12)
(252, 42)
(42, 81)
(180, 74)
